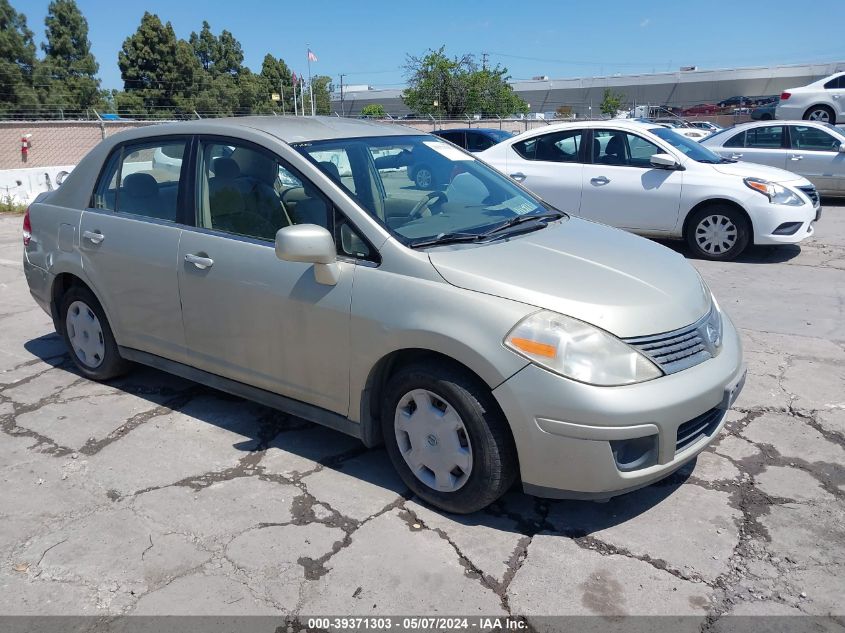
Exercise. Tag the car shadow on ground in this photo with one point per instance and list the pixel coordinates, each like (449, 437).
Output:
(752, 255)
(264, 429)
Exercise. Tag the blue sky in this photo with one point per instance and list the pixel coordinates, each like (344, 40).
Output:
(369, 41)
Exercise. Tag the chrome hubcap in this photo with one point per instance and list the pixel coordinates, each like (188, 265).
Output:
(423, 179)
(820, 115)
(433, 440)
(85, 334)
(716, 234)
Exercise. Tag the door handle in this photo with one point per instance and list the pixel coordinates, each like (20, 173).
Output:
(199, 261)
(736, 156)
(796, 157)
(600, 180)
(518, 176)
(94, 237)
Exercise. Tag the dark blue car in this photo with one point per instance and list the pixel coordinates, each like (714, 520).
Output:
(475, 139)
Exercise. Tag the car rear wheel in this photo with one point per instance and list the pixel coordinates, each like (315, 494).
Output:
(88, 335)
(447, 438)
(820, 113)
(424, 179)
(718, 232)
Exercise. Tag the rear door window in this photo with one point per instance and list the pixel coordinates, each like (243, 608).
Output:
(143, 179)
(766, 137)
(557, 147)
(736, 141)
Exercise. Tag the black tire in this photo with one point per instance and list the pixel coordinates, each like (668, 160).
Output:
(111, 364)
(424, 178)
(714, 214)
(809, 114)
(494, 460)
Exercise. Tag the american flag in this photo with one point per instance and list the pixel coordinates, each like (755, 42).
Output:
(293, 78)
(311, 56)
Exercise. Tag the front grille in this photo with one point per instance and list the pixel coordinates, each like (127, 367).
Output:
(812, 194)
(704, 424)
(677, 350)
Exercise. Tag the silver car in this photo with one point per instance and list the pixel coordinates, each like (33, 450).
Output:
(813, 150)
(481, 335)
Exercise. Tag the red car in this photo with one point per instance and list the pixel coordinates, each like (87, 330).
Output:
(702, 108)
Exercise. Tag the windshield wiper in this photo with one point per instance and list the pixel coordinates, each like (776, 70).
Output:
(519, 219)
(447, 238)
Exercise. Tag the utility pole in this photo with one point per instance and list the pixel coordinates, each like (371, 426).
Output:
(282, 94)
(342, 111)
(484, 57)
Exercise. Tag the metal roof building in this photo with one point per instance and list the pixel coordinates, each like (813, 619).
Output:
(682, 88)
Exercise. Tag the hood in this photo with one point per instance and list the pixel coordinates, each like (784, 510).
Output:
(617, 281)
(744, 170)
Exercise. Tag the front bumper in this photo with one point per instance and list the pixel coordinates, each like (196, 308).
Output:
(563, 429)
(768, 218)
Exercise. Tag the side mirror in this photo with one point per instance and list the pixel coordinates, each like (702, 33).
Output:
(842, 148)
(664, 161)
(310, 244)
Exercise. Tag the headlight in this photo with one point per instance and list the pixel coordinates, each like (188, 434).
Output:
(713, 326)
(777, 194)
(579, 350)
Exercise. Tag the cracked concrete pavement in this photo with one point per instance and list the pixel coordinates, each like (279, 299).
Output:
(153, 495)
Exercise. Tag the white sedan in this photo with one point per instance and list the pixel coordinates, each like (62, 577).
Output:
(813, 150)
(647, 179)
(822, 100)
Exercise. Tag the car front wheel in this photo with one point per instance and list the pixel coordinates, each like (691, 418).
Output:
(447, 438)
(718, 232)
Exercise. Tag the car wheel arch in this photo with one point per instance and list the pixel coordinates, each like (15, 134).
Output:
(715, 202)
(63, 282)
(380, 374)
(821, 106)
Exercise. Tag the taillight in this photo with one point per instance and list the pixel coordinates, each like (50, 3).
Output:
(785, 95)
(27, 229)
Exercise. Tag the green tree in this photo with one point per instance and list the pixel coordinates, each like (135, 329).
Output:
(374, 109)
(204, 45)
(322, 95)
(230, 55)
(437, 84)
(17, 62)
(456, 86)
(275, 75)
(69, 70)
(611, 102)
(159, 68)
(217, 55)
(490, 94)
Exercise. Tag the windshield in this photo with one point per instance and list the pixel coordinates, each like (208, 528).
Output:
(691, 148)
(422, 188)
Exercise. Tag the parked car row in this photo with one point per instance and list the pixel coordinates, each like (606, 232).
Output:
(488, 336)
(648, 179)
(810, 149)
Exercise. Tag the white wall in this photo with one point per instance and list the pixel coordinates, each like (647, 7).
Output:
(23, 185)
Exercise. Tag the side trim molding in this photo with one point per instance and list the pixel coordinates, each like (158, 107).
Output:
(267, 398)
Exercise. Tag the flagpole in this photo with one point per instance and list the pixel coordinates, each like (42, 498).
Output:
(295, 109)
(310, 86)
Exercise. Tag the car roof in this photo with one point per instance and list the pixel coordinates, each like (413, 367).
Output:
(751, 124)
(291, 129)
(483, 130)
